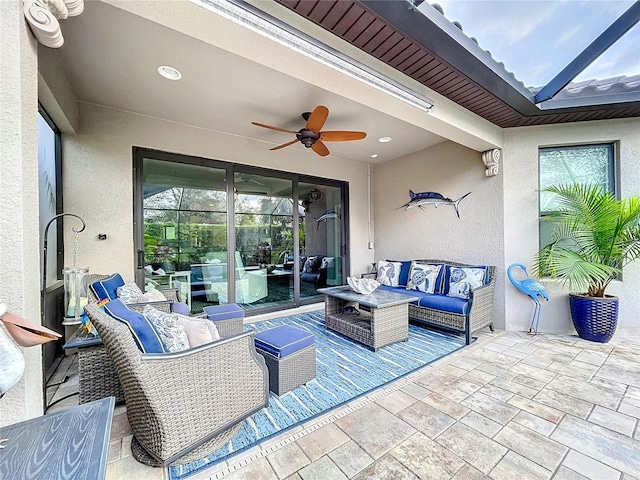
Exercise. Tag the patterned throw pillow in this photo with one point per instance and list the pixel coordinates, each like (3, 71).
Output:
(169, 329)
(389, 273)
(327, 262)
(423, 277)
(129, 293)
(462, 280)
(311, 265)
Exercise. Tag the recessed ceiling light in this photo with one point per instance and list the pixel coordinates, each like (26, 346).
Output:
(375, 155)
(169, 72)
(384, 139)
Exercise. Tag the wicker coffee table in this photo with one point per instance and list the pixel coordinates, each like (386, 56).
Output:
(383, 316)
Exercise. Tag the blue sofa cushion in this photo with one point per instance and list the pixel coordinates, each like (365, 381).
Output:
(443, 303)
(459, 281)
(284, 340)
(433, 300)
(309, 277)
(143, 331)
(223, 312)
(107, 288)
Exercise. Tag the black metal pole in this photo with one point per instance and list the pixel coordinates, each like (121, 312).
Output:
(44, 251)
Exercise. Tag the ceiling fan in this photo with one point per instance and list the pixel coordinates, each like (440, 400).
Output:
(311, 136)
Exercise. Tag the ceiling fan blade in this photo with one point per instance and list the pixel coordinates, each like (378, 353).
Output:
(320, 148)
(338, 136)
(317, 118)
(284, 145)
(273, 128)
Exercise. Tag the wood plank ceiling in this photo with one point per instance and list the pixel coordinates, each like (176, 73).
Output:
(356, 23)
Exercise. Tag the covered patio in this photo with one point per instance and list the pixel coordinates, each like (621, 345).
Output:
(175, 172)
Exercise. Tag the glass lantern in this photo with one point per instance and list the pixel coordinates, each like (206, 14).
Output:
(76, 292)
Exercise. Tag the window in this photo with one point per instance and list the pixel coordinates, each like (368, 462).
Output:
(50, 192)
(589, 164)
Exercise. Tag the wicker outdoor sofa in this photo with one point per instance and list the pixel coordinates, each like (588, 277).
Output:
(477, 313)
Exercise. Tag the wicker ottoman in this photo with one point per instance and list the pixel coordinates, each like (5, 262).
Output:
(228, 318)
(290, 355)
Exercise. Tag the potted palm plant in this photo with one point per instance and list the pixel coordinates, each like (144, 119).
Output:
(595, 236)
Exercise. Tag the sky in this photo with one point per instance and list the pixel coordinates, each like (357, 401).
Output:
(536, 39)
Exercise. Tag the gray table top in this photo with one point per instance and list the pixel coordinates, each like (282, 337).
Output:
(70, 444)
(377, 299)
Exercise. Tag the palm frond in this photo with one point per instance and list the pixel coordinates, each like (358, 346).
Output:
(594, 236)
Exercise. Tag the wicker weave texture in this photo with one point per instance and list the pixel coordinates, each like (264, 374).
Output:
(175, 401)
(375, 328)
(230, 327)
(96, 377)
(290, 372)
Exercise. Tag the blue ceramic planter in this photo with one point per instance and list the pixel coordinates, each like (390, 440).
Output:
(594, 318)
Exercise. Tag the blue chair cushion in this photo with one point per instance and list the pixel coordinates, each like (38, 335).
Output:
(181, 308)
(284, 340)
(143, 332)
(433, 300)
(107, 288)
(224, 312)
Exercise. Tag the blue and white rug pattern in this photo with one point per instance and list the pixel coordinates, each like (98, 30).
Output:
(345, 370)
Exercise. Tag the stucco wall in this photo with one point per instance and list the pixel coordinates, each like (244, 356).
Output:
(452, 170)
(99, 179)
(520, 172)
(19, 237)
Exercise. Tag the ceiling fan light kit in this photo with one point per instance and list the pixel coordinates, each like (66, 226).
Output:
(311, 135)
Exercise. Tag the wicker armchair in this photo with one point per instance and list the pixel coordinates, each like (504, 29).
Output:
(97, 378)
(183, 406)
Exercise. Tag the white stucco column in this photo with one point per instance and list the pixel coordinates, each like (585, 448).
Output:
(19, 231)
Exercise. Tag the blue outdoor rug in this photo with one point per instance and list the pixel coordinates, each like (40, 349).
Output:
(345, 370)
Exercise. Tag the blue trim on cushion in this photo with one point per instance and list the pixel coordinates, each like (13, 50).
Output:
(284, 340)
(143, 331)
(224, 312)
(445, 288)
(107, 288)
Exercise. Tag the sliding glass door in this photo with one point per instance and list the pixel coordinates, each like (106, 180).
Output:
(224, 233)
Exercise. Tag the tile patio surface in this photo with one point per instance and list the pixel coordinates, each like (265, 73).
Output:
(510, 406)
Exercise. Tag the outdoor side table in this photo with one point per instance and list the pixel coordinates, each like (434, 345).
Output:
(69, 444)
(96, 376)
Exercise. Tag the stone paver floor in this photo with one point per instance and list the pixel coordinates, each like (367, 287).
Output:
(511, 406)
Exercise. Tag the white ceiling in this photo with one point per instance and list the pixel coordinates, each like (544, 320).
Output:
(111, 56)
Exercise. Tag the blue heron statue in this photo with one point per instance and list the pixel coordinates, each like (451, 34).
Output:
(533, 289)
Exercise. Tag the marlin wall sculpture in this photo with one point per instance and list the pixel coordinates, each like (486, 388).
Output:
(426, 198)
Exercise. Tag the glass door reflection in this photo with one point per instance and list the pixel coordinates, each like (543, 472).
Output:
(264, 238)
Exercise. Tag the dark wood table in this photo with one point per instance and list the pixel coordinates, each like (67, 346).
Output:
(69, 444)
